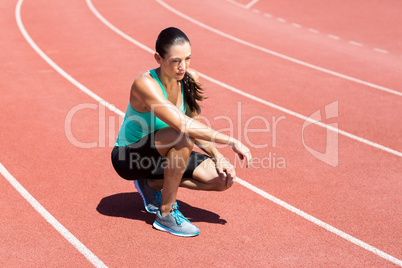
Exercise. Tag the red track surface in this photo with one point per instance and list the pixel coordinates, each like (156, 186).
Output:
(361, 196)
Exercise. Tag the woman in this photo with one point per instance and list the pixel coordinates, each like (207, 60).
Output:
(155, 143)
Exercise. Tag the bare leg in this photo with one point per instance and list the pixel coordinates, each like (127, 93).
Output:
(176, 148)
(205, 178)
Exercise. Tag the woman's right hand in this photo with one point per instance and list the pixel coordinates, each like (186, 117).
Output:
(242, 151)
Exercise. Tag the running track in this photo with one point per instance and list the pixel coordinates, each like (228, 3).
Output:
(285, 63)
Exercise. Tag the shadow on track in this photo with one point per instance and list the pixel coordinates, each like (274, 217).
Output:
(131, 206)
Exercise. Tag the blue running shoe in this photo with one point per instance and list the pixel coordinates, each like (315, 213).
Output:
(152, 198)
(175, 223)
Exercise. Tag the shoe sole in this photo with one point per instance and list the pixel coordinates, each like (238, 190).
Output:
(137, 186)
(160, 227)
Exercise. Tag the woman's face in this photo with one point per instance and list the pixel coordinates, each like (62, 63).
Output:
(177, 60)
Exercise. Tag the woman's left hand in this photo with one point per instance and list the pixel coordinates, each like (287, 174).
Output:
(225, 170)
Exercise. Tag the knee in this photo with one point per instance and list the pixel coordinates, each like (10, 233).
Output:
(219, 185)
(179, 141)
(185, 142)
(167, 139)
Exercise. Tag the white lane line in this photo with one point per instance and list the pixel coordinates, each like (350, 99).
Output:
(251, 3)
(55, 66)
(249, 186)
(267, 15)
(303, 63)
(238, 91)
(311, 30)
(34, 203)
(334, 37)
(281, 20)
(50, 219)
(380, 50)
(355, 43)
(236, 3)
(320, 223)
(303, 117)
(314, 31)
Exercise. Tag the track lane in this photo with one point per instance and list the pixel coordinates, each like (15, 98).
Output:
(298, 83)
(186, 199)
(367, 22)
(27, 239)
(256, 29)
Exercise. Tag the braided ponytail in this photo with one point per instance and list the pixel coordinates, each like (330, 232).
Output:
(192, 93)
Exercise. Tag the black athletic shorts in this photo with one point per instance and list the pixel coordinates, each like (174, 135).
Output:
(141, 160)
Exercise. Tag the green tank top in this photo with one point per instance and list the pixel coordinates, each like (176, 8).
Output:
(137, 125)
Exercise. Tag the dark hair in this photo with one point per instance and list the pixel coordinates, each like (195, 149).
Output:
(192, 90)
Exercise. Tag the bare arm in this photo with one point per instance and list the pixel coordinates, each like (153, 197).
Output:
(147, 92)
(223, 166)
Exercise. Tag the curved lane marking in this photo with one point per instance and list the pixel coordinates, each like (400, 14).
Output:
(303, 63)
(24, 193)
(51, 220)
(240, 92)
(89, 255)
(252, 187)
